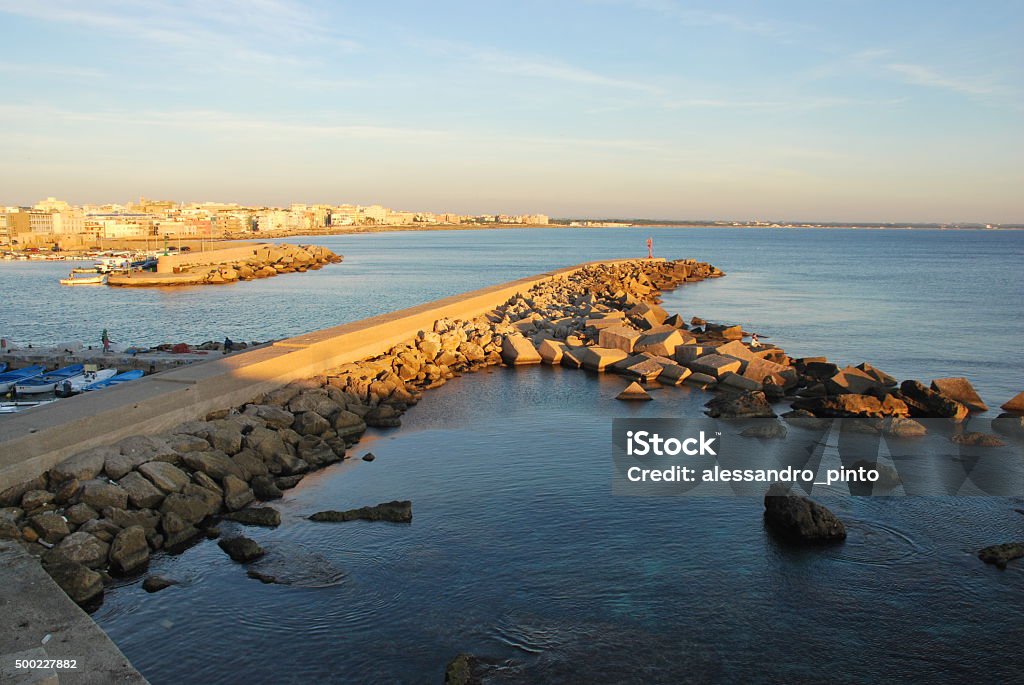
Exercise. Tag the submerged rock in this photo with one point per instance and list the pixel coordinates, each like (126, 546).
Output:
(800, 518)
(396, 512)
(241, 549)
(977, 439)
(766, 430)
(1000, 555)
(461, 671)
(256, 516)
(157, 583)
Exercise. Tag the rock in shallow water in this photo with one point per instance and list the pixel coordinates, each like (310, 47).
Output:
(80, 583)
(396, 512)
(799, 518)
(157, 583)
(241, 549)
(1001, 554)
(256, 516)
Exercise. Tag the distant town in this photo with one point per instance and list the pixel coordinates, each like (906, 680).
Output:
(54, 223)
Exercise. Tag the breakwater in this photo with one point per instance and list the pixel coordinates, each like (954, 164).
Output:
(229, 265)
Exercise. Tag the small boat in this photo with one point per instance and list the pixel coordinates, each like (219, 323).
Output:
(114, 380)
(12, 407)
(84, 270)
(47, 382)
(3, 367)
(98, 279)
(74, 386)
(8, 380)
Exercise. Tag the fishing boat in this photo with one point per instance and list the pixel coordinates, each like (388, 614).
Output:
(114, 380)
(47, 382)
(12, 407)
(8, 379)
(84, 270)
(97, 279)
(73, 386)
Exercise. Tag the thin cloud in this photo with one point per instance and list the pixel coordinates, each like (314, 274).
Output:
(51, 70)
(920, 75)
(707, 18)
(555, 71)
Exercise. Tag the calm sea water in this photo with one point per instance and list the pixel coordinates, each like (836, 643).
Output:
(518, 551)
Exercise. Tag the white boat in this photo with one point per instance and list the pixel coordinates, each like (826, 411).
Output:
(98, 279)
(47, 382)
(13, 407)
(10, 378)
(73, 386)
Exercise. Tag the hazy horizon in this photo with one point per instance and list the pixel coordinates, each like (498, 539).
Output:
(856, 112)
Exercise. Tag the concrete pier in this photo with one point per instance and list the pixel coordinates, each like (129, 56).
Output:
(33, 441)
(38, 622)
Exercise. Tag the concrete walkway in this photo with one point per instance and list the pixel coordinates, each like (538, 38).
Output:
(39, 622)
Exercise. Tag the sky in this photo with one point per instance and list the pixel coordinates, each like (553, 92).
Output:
(847, 110)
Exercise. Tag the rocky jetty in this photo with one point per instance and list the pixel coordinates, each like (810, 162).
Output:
(264, 262)
(85, 518)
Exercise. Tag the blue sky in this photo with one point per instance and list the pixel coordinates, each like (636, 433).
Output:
(840, 110)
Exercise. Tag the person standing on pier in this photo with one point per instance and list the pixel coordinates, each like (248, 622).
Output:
(105, 339)
(650, 248)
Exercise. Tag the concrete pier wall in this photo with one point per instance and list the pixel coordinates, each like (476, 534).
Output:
(33, 441)
(167, 264)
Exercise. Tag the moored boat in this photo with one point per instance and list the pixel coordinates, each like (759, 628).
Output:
(98, 279)
(47, 382)
(73, 386)
(10, 378)
(114, 380)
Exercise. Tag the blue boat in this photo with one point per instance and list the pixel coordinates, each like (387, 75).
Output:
(47, 382)
(114, 380)
(3, 367)
(7, 380)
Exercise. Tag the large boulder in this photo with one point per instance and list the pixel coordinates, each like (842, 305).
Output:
(1015, 404)
(761, 370)
(598, 358)
(83, 466)
(663, 343)
(960, 389)
(311, 423)
(78, 548)
(852, 406)
(191, 508)
(853, 381)
(51, 527)
(215, 464)
(129, 550)
(78, 582)
(98, 494)
(237, 494)
(517, 349)
(224, 436)
(551, 351)
(715, 365)
(618, 337)
(634, 391)
(168, 477)
(923, 402)
(674, 375)
(241, 549)
(142, 494)
(799, 518)
(273, 416)
(751, 404)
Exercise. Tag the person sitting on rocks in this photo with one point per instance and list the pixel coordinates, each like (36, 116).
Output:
(754, 341)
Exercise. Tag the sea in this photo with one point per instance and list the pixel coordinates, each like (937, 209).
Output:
(518, 552)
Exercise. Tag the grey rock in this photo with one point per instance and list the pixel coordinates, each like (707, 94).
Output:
(51, 527)
(78, 582)
(216, 464)
(78, 548)
(98, 494)
(168, 477)
(142, 494)
(80, 513)
(237, 494)
(800, 518)
(82, 466)
(190, 508)
(1000, 555)
(129, 551)
(241, 549)
(256, 516)
(396, 512)
(264, 488)
(177, 531)
(157, 583)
